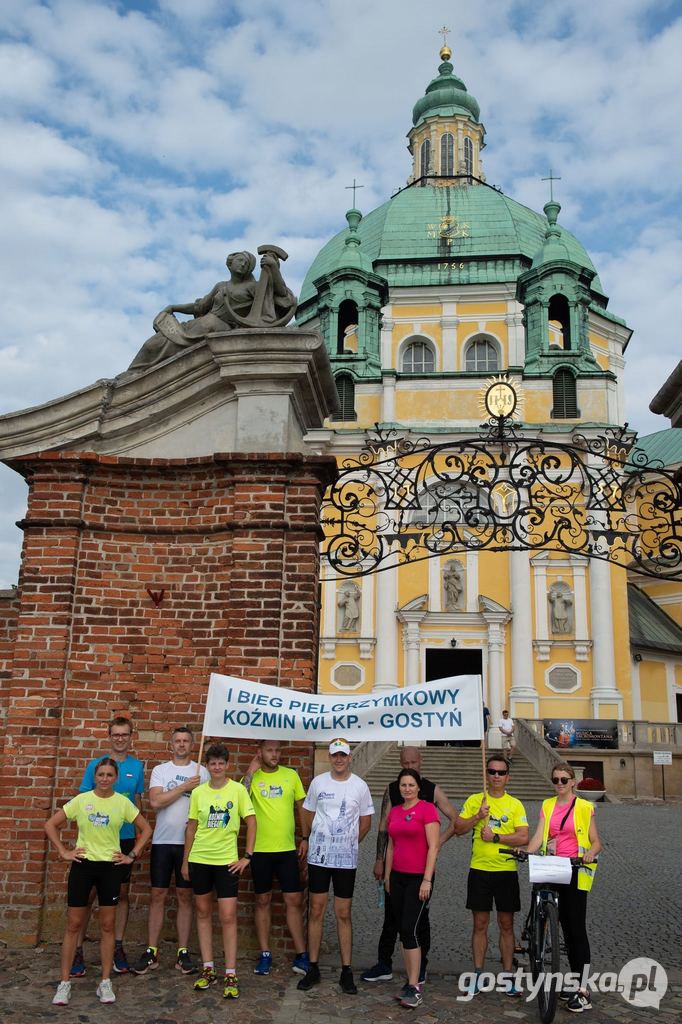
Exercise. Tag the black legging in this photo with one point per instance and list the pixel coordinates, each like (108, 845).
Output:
(572, 914)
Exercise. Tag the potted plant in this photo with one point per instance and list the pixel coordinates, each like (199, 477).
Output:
(591, 789)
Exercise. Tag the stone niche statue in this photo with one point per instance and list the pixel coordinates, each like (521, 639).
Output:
(560, 597)
(453, 586)
(242, 302)
(348, 602)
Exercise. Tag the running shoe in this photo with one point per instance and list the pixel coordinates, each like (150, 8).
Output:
(412, 998)
(147, 961)
(512, 990)
(231, 989)
(380, 972)
(105, 992)
(207, 978)
(185, 963)
(63, 994)
(311, 978)
(121, 965)
(78, 967)
(264, 964)
(403, 992)
(579, 1002)
(472, 988)
(301, 964)
(347, 982)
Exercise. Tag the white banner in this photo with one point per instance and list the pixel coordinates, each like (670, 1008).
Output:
(444, 709)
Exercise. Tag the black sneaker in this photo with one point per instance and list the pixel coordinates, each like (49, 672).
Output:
(346, 982)
(578, 1003)
(310, 978)
(147, 961)
(184, 962)
(380, 972)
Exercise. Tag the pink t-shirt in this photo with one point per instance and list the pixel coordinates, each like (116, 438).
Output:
(408, 832)
(565, 841)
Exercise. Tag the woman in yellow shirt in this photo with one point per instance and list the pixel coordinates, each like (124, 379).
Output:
(211, 862)
(96, 862)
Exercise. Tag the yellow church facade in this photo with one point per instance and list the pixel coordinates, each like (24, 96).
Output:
(447, 286)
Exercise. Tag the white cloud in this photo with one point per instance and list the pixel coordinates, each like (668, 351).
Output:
(142, 142)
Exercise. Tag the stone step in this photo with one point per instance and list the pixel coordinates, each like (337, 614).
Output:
(459, 771)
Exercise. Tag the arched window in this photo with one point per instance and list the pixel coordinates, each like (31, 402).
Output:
(425, 158)
(468, 156)
(482, 356)
(345, 386)
(447, 155)
(418, 357)
(559, 322)
(348, 317)
(565, 396)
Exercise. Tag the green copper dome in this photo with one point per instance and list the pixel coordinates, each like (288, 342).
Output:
(445, 96)
(435, 236)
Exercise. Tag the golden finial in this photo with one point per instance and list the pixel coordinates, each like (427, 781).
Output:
(445, 51)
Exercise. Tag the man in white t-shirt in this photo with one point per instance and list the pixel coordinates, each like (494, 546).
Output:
(169, 789)
(507, 729)
(338, 810)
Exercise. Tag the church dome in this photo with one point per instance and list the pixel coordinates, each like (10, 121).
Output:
(411, 239)
(445, 96)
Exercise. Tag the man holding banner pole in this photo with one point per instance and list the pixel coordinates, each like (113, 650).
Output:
(338, 811)
(495, 818)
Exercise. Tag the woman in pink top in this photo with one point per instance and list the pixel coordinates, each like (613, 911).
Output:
(413, 842)
(561, 840)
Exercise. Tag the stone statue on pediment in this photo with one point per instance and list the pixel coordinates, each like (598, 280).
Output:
(348, 602)
(453, 585)
(560, 599)
(240, 303)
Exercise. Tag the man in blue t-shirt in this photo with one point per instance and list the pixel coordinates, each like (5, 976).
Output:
(130, 783)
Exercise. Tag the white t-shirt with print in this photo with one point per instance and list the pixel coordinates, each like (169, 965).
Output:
(171, 820)
(338, 806)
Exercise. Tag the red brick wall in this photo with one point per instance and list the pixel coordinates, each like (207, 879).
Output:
(9, 610)
(233, 543)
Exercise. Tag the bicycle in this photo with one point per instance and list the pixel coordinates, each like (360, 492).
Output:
(541, 932)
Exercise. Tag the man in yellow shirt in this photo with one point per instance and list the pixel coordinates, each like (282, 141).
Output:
(277, 796)
(495, 818)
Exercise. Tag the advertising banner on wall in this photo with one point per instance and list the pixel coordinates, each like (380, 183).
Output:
(444, 709)
(567, 733)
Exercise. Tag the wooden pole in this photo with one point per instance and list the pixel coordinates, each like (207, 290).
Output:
(201, 750)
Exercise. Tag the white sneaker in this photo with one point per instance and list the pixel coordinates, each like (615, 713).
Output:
(105, 992)
(63, 994)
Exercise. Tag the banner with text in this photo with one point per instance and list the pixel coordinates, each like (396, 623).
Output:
(444, 709)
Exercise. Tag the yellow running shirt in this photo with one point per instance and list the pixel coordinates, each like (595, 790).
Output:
(506, 815)
(99, 821)
(273, 795)
(219, 813)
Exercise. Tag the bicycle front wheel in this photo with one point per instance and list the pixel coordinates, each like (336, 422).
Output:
(548, 960)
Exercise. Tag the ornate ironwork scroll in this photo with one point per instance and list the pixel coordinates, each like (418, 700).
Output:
(403, 500)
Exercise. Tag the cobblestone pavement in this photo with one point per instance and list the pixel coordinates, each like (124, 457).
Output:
(634, 910)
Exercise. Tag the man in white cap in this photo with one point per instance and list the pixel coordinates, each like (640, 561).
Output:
(338, 810)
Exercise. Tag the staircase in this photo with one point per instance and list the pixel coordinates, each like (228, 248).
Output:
(459, 772)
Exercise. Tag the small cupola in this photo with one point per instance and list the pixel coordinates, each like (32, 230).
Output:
(447, 136)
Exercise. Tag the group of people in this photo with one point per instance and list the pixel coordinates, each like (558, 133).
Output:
(199, 814)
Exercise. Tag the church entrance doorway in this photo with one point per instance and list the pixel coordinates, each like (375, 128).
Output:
(453, 661)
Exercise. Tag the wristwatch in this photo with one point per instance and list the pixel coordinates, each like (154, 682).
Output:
(133, 855)
(496, 837)
(248, 856)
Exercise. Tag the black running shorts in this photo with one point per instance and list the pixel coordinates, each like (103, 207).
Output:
(502, 887)
(102, 875)
(343, 880)
(282, 866)
(206, 878)
(165, 862)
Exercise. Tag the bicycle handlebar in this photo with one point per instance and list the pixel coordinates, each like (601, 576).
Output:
(521, 856)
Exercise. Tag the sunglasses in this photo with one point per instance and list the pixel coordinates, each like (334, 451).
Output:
(498, 771)
(563, 781)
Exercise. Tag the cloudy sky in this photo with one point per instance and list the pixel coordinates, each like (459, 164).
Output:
(141, 141)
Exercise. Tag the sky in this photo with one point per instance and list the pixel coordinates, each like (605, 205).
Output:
(140, 142)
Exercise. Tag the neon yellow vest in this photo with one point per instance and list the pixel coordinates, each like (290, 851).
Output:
(582, 816)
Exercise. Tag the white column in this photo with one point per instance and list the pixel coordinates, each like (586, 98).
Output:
(412, 646)
(386, 342)
(386, 650)
(449, 339)
(582, 643)
(328, 638)
(522, 684)
(435, 602)
(472, 581)
(495, 680)
(636, 691)
(515, 334)
(604, 689)
(388, 398)
(541, 617)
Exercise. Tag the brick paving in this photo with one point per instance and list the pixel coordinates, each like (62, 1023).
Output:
(634, 910)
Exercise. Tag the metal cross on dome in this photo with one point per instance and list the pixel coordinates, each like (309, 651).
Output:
(444, 32)
(551, 179)
(354, 186)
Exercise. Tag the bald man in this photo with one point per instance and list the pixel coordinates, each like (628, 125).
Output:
(410, 757)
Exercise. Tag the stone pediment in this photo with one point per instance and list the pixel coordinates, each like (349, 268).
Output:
(241, 391)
